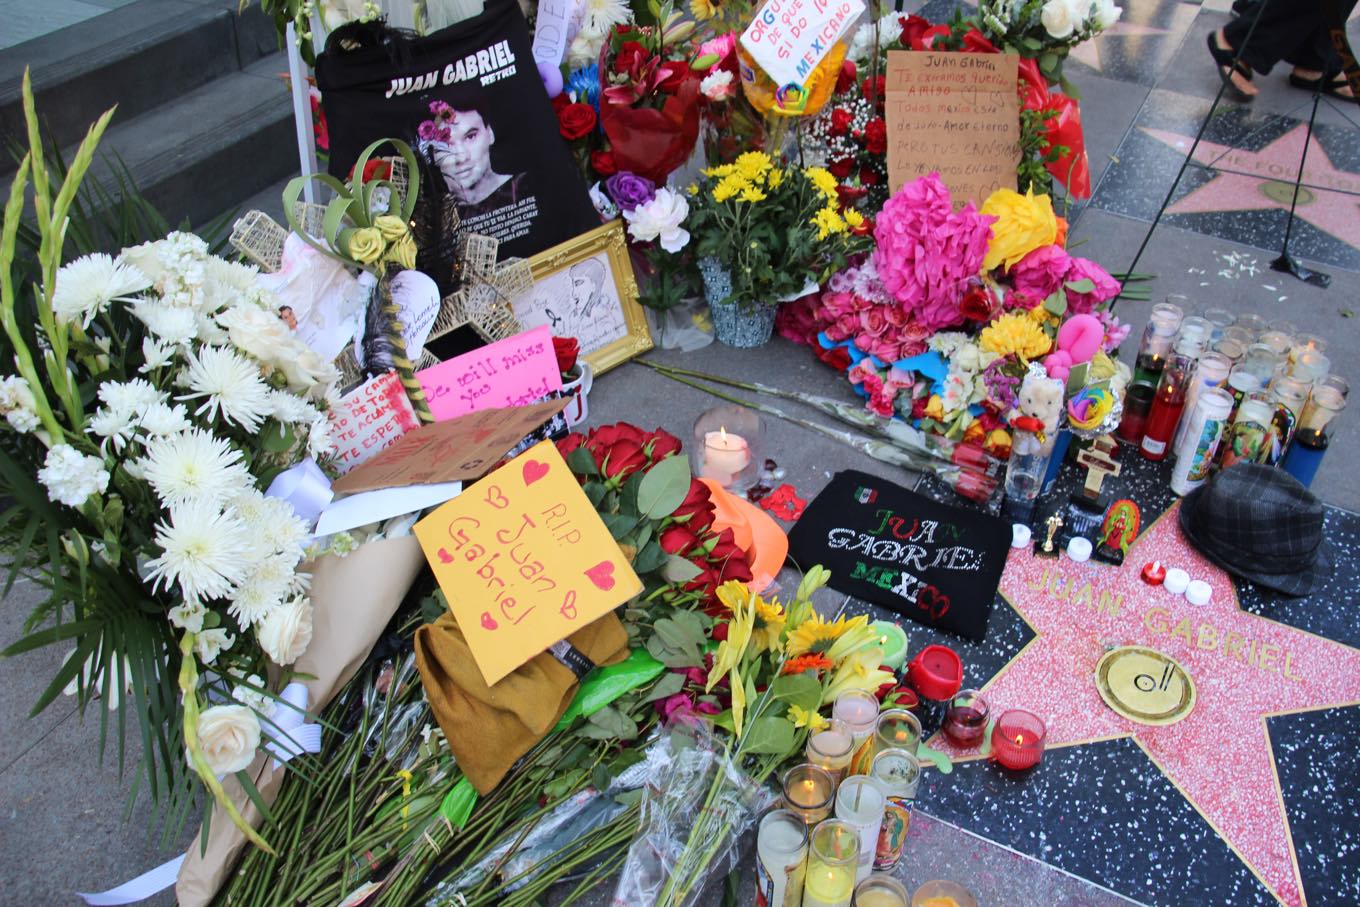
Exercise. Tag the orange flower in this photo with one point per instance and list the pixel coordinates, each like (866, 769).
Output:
(813, 661)
(1061, 238)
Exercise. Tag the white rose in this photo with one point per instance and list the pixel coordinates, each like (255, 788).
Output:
(660, 219)
(285, 632)
(1106, 14)
(228, 735)
(253, 330)
(1061, 17)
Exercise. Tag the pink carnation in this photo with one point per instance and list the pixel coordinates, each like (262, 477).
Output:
(1040, 273)
(1106, 287)
(926, 253)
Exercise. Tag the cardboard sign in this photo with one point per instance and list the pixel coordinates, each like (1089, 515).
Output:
(455, 451)
(510, 372)
(935, 564)
(788, 38)
(524, 560)
(956, 113)
(371, 418)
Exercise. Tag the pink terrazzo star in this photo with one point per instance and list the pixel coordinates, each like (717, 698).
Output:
(1321, 205)
(1244, 668)
(1088, 52)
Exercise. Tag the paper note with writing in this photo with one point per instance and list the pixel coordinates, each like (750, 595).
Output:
(788, 38)
(524, 560)
(371, 418)
(454, 451)
(956, 113)
(509, 372)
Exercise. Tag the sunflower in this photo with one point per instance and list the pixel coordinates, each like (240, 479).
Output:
(769, 624)
(810, 719)
(818, 635)
(1015, 334)
(813, 661)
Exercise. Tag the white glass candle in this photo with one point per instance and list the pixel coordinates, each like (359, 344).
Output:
(859, 803)
(830, 880)
(832, 748)
(859, 710)
(725, 455)
(781, 848)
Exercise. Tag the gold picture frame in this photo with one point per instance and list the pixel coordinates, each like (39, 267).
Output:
(608, 322)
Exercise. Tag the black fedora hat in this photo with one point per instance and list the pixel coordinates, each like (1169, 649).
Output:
(1261, 524)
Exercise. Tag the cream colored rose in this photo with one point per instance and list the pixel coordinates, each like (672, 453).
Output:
(228, 735)
(1061, 17)
(403, 252)
(306, 370)
(392, 228)
(259, 333)
(365, 245)
(285, 632)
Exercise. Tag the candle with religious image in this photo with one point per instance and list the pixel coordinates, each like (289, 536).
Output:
(1198, 448)
(1288, 396)
(832, 858)
(1211, 370)
(898, 773)
(859, 804)
(1247, 439)
(781, 859)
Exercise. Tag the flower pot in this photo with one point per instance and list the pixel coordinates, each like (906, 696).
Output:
(576, 390)
(743, 324)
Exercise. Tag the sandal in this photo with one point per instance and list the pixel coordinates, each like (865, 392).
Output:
(1336, 85)
(1228, 65)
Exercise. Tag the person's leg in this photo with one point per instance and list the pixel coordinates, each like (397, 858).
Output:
(1282, 27)
(1315, 58)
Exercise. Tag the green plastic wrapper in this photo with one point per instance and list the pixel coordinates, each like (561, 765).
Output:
(603, 685)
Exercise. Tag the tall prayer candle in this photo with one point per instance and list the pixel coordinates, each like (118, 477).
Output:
(898, 773)
(781, 865)
(859, 803)
(830, 880)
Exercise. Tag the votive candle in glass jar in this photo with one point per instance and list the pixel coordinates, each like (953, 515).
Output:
(859, 804)
(1312, 436)
(859, 710)
(898, 773)
(1252, 324)
(728, 445)
(832, 748)
(1307, 343)
(1278, 342)
(1018, 740)
(781, 859)
(965, 721)
(1221, 320)
(832, 857)
(881, 890)
(808, 792)
(942, 893)
(896, 729)
(1163, 323)
(1310, 366)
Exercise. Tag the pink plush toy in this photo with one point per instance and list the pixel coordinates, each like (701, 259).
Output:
(1079, 340)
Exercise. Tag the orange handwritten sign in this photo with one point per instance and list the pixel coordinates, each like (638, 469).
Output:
(524, 560)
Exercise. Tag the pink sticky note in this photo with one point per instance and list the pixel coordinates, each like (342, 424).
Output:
(512, 372)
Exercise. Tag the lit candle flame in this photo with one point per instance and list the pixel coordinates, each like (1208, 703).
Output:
(1019, 739)
(722, 432)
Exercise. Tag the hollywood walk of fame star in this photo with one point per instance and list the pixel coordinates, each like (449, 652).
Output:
(1264, 181)
(1244, 668)
(1088, 52)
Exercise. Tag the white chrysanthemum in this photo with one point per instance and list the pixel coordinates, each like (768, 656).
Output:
(173, 325)
(273, 521)
(291, 409)
(249, 693)
(164, 419)
(234, 275)
(155, 353)
(601, 15)
(205, 552)
(194, 466)
(210, 643)
(130, 396)
(86, 286)
(232, 385)
(18, 404)
(23, 420)
(114, 426)
(71, 477)
(263, 589)
(188, 616)
(320, 442)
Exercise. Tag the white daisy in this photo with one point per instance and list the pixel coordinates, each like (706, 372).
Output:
(86, 286)
(205, 552)
(71, 477)
(231, 383)
(194, 466)
(173, 325)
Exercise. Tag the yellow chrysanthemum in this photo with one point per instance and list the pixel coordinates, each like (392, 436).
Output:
(752, 194)
(720, 171)
(774, 179)
(1015, 334)
(827, 221)
(810, 719)
(703, 9)
(853, 218)
(1024, 223)
(753, 164)
(823, 180)
(693, 189)
(728, 186)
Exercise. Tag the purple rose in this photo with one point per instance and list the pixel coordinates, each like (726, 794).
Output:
(628, 190)
(1105, 286)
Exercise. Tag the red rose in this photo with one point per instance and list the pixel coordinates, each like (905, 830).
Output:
(976, 304)
(631, 56)
(720, 630)
(609, 435)
(663, 444)
(566, 350)
(603, 163)
(975, 43)
(836, 357)
(575, 121)
(678, 540)
(869, 176)
(570, 443)
(840, 168)
(876, 136)
(918, 407)
(623, 459)
(883, 690)
(736, 568)
(840, 121)
(697, 498)
(701, 520)
(559, 101)
(930, 34)
(672, 74)
(846, 77)
(849, 196)
(913, 28)
(873, 89)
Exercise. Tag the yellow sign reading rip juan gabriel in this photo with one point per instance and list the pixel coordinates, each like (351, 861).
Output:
(524, 560)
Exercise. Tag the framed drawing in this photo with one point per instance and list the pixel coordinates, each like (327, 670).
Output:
(584, 288)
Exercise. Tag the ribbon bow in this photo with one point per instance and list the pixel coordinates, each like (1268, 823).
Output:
(290, 734)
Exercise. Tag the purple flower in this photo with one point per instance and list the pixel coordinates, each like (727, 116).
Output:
(1106, 287)
(628, 190)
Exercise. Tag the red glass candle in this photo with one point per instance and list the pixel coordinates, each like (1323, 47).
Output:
(1018, 740)
(1162, 420)
(965, 722)
(1137, 402)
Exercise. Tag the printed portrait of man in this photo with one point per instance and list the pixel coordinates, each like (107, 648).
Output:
(460, 144)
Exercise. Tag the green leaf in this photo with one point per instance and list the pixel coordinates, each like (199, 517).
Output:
(650, 558)
(693, 623)
(802, 690)
(668, 684)
(664, 487)
(276, 438)
(1057, 304)
(459, 803)
(675, 635)
(628, 494)
(582, 462)
(678, 570)
(618, 524)
(1085, 285)
(769, 735)
(1048, 61)
(595, 493)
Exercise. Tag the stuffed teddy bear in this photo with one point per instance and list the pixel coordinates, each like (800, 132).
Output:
(1042, 398)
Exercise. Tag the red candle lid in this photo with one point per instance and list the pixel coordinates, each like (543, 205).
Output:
(936, 673)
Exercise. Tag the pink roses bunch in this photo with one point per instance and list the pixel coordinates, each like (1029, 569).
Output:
(884, 330)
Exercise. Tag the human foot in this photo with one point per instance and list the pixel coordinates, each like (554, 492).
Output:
(1308, 80)
(1234, 73)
